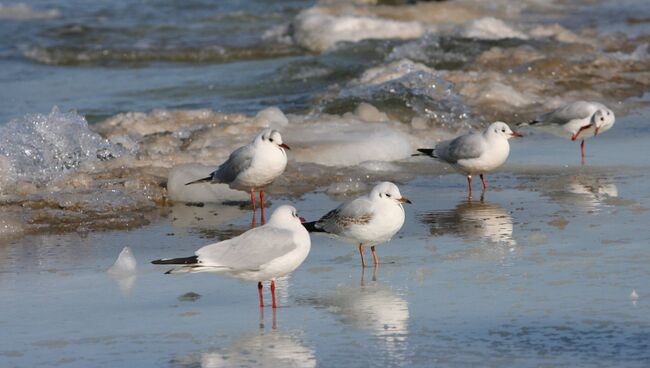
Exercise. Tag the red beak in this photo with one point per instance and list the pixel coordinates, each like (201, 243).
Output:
(284, 146)
(516, 134)
(302, 219)
(596, 132)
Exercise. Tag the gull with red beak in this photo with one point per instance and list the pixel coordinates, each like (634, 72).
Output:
(579, 119)
(262, 253)
(475, 153)
(253, 166)
(370, 219)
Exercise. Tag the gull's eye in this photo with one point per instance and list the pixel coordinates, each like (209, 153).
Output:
(607, 112)
(602, 119)
(271, 139)
(387, 195)
(503, 130)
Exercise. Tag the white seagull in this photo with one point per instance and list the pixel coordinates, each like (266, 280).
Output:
(253, 166)
(580, 119)
(475, 153)
(263, 253)
(370, 219)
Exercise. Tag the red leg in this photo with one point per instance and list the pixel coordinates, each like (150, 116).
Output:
(259, 289)
(484, 184)
(262, 204)
(374, 256)
(469, 183)
(273, 293)
(253, 199)
(575, 136)
(363, 261)
(582, 151)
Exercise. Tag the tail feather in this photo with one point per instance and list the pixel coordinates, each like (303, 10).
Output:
(311, 227)
(202, 180)
(177, 261)
(195, 268)
(431, 152)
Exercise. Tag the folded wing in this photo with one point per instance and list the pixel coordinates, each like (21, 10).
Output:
(249, 251)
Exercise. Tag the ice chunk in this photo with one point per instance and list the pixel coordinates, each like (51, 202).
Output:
(489, 28)
(125, 265)
(271, 117)
(317, 29)
(347, 187)
(347, 141)
(201, 192)
(633, 295)
(39, 148)
(420, 88)
(368, 112)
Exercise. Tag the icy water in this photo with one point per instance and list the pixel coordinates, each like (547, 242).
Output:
(108, 108)
(538, 273)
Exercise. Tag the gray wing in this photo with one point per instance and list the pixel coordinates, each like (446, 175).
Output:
(466, 146)
(239, 160)
(248, 251)
(356, 212)
(572, 111)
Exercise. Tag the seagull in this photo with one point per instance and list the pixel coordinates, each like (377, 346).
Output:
(475, 153)
(370, 219)
(253, 166)
(262, 253)
(580, 119)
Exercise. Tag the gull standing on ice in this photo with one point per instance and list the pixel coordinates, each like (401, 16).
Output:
(475, 153)
(370, 219)
(580, 119)
(262, 253)
(253, 166)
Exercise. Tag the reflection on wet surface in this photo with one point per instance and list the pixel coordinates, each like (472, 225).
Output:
(269, 347)
(584, 191)
(526, 277)
(373, 307)
(473, 221)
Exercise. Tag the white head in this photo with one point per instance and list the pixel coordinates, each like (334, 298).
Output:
(272, 137)
(387, 191)
(501, 129)
(604, 119)
(286, 216)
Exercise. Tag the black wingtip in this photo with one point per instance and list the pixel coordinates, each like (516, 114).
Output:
(311, 227)
(202, 180)
(176, 261)
(425, 152)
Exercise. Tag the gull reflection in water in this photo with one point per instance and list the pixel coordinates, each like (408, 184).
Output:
(372, 307)
(583, 191)
(265, 348)
(473, 221)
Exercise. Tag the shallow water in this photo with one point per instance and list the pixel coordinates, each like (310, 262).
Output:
(540, 271)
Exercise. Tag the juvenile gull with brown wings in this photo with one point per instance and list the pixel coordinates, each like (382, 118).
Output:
(370, 219)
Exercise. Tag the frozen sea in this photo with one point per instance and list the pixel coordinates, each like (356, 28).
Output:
(548, 268)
